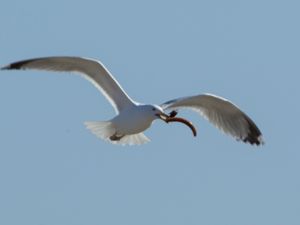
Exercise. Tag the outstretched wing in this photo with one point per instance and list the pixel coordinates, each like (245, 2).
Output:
(92, 70)
(222, 113)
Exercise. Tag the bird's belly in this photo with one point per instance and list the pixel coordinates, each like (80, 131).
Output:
(133, 125)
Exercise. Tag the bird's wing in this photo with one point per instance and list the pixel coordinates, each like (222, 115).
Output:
(222, 113)
(92, 70)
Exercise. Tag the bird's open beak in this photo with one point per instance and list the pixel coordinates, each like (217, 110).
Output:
(163, 116)
(168, 119)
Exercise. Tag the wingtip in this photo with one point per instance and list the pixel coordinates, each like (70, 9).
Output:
(16, 65)
(261, 140)
(7, 67)
(254, 136)
(253, 140)
(13, 66)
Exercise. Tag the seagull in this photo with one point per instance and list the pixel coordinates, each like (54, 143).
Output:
(133, 118)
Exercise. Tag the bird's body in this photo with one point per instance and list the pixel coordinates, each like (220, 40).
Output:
(133, 118)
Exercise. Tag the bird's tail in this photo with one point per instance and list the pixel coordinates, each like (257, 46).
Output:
(133, 139)
(102, 129)
(105, 130)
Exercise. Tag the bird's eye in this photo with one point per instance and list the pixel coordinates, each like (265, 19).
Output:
(153, 109)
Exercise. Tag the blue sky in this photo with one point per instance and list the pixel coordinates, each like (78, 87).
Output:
(54, 171)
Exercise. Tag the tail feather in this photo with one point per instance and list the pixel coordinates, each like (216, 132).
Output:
(134, 139)
(105, 130)
(102, 129)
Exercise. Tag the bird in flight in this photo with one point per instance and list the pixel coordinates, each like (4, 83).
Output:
(133, 118)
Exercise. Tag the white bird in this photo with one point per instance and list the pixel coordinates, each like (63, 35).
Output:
(132, 118)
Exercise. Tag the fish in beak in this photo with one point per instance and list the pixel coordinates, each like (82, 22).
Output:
(172, 118)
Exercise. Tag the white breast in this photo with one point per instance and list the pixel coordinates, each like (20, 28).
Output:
(132, 121)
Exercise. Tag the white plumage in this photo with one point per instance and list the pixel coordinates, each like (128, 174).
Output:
(133, 118)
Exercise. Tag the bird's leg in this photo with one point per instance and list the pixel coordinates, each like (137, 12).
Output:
(173, 114)
(115, 137)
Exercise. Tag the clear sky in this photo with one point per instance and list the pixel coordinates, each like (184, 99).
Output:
(55, 172)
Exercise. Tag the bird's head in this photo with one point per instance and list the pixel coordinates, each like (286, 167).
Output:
(155, 111)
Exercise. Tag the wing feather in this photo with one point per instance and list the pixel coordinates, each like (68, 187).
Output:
(92, 70)
(222, 113)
